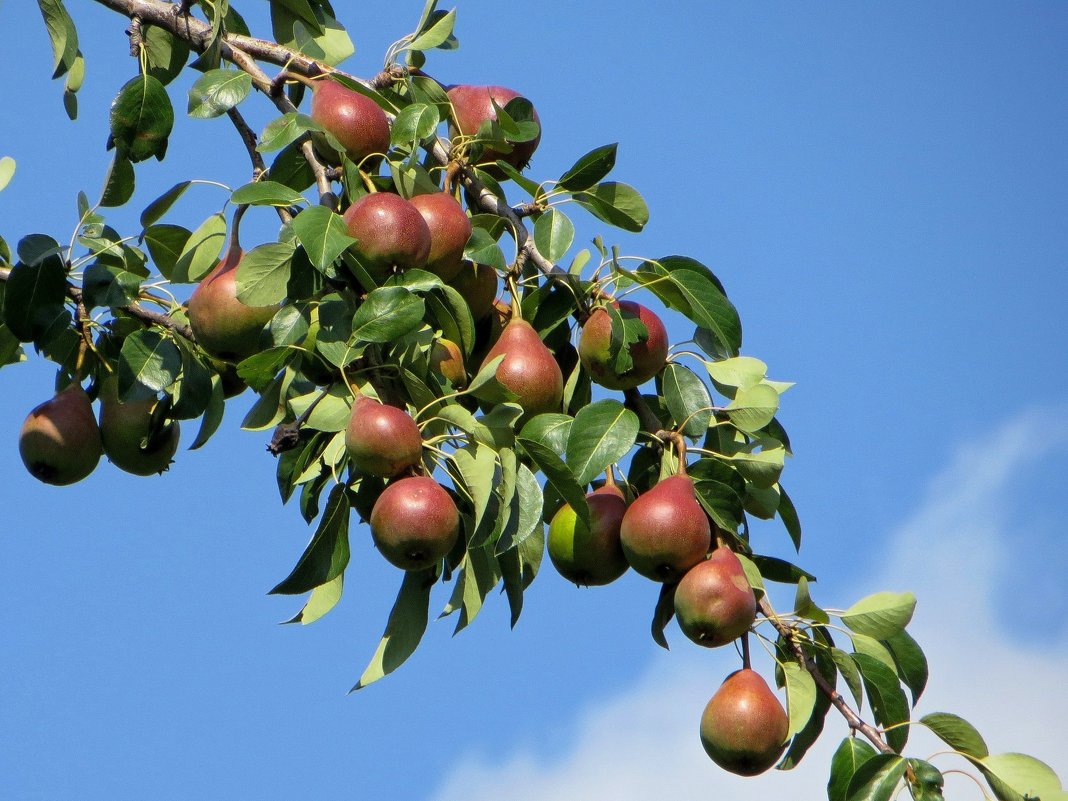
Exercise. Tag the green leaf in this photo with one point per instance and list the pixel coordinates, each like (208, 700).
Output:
(688, 287)
(602, 434)
(738, 372)
(142, 118)
(804, 605)
(387, 314)
(589, 169)
(217, 91)
(327, 555)
(551, 429)
(166, 244)
(284, 130)
(763, 468)
(616, 204)
(481, 473)
(323, 234)
(33, 298)
(663, 612)
(1014, 775)
(482, 248)
(851, 754)
(558, 476)
(528, 496)
(200, 252)
(753, 408)
(414, 124)
(851, 673)
(957, 733)
(268, 193)
(533, 188)
(881, 615)
(63, 34)
(438, 30)
(165, 53)
(788, 515)
(721, 501)
(322, 599)
(800, 696)
(554, 233)
(404, 630)
(213, 415)
(887, 701)
(148, 359)
(780, 570)
(876, 778)
(263, 274)
(7, 170)
(687, 399)
(910, 661)
(118, 183)
(161, 205)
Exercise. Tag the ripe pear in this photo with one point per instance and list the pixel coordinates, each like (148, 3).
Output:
(382, 440)
(355, 120)
(450, 228)
(478, 284)
(130, 440)
(447, 360)
(744, 727)
(473, 105)
(665, 532)
(414, 522)
(714, 603)
(60, 441)
(647, 356)
(529, 368)
(590, 556)
(223, 325)
(390, 233)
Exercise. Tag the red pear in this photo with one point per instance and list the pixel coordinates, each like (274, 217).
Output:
(589, 555)
(390, 233)
(355, 121)
(714, 603)
(450, 228)
(647, 356)
(473, 105)
(415, 522)
(529, 369)
(478, 284)
(665, 531)
(60, 441)
(382, 440)
(447, 360)
(744, 727)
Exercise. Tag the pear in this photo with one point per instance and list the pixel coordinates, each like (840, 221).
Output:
(744, 727)
(477, 283)
(60, 441)
(647, 356)
(529, 369)
(382, 440)
(223, 325)
(355, 120)
(447, 360)
(414, 522)
(130, 440)
(390, 233)
(450, 228)
(589, 555)
(714, 603)
(665, 532)
(473, 105)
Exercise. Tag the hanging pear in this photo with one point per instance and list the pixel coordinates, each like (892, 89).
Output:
(714, 603)
(60, 441)
(529, 369)
(665, 531)
(744, 727)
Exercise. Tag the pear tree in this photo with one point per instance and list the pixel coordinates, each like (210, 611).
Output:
(440, 362)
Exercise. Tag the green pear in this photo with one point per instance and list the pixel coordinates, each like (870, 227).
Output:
(132, 440)
(589, 555)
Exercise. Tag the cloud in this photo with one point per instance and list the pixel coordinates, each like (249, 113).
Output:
(643, 743)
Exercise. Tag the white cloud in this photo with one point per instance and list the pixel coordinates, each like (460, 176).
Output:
(643, 744)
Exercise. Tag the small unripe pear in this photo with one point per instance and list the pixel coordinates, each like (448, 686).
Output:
(529, 369)
(714, 603)
(382, 440)
(473, 105)
(665, 532)
(478, 284)
(130, 441)
(355, 121)
(414, 522)
(450, 228)
(390, 233)
(744, 727)
(589, 555)
(60, 441)
(647, 356)
(447, 360)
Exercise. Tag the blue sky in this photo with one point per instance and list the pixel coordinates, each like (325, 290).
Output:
(883, 190)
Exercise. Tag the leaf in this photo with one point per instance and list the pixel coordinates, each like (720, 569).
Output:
(662, 614)
(788, 515)
(615, 203)
(881, 615)
(323, 234)
(322, 599)
(414, 124)
(774, 569)
(804, 605)
(200, 252)
(165, 245)
(404, 630)
(957, 733)
(550, 429)
(589, 169)
(165, 54)
(851, 754)
(213, 415)
(887, 701)
(161, 205)
(33, 298)
(480, 472)
(800, 696)
(263, 274)
(148, 359)
(62, 33)
(851, 673)
(142, 118)
(269, 193)
(327, 555)
(217, 91)
(438, 30)
(910, 661)
(7, 170)
(118, 183)
(687, 398)
(482, 248)
(602, 434)
(387, 314)
(753, 408)
(553, 234)
(739, 372)
(558, 476)
(283, 130)
(876, 778)
(1020, 775)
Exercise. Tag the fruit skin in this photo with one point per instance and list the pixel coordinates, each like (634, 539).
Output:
(450, 228)
(60, 441)
(123, 427)
(415, 522)
(714, 603)
(744, 727)
(473, 105)
(590, 556)
(478, 284)
(391, 233)
(529, 369)
(355, 121)
(223, 325)
(665, 532)
(382, 440)
(447, 360)
(648, 356)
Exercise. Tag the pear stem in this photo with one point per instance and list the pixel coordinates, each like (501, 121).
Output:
(369, 185)
(745, 651)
